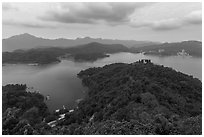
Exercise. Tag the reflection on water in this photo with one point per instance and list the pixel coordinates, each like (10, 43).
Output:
(60, 82)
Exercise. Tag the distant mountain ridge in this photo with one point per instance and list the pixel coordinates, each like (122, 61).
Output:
(28, 41)
(191, 48)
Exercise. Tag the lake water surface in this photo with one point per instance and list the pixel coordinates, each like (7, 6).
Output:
(60, 81)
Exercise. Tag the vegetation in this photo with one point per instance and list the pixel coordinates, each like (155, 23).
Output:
(22, 111)
(158, 98)
(138, 98)
(89, 57)
(31, 56)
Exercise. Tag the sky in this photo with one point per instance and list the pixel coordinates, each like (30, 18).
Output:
(163, 22)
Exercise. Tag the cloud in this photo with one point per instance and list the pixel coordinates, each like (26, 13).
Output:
(193, 18)
(27, 24)
(168, 24)
(92, 13)
(8, 6)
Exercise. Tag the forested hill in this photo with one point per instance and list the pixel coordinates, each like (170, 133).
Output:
(192, 48)
(178, 92)
(87, 52)
(141, 98)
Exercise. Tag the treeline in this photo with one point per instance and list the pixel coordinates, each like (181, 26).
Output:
(32, 56)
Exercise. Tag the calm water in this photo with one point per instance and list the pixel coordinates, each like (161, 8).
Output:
(60, 81)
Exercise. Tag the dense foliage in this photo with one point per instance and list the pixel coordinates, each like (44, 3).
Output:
(22, 111)
(129, 99)
(159, 98)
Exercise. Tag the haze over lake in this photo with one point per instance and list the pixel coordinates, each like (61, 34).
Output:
(61, 83)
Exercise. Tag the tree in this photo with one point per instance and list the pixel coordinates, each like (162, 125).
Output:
(32, 115)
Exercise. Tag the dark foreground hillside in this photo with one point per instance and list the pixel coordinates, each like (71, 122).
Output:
(138, 98)
(22, 112)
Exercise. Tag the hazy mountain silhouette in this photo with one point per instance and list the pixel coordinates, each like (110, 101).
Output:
(192, 48)
(27, 41)
(95, 47)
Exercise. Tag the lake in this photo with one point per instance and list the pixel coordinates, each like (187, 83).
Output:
(60, 81)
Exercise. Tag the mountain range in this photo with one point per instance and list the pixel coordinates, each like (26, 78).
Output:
(28, 41)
